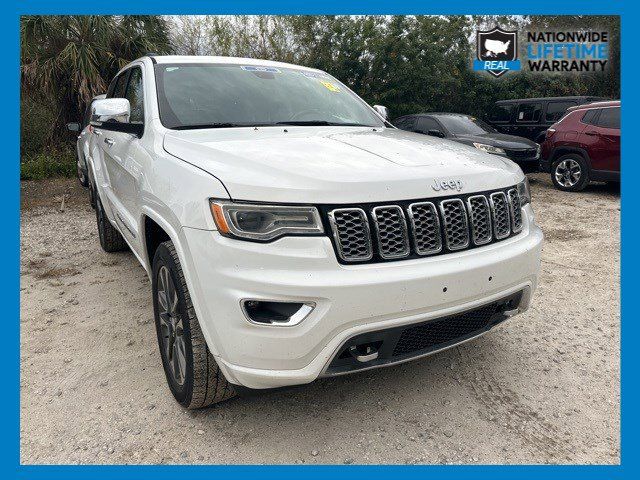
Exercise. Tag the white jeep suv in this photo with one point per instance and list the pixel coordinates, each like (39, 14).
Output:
(291, 233)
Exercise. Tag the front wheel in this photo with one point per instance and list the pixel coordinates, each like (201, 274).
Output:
(570, 173)
(192, 373)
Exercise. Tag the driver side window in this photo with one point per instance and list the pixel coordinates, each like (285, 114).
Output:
(135, 96)
(427, 123)
(119, 86)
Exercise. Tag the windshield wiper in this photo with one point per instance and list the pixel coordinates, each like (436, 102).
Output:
(207, 125)
(322, 123)
(220, 125)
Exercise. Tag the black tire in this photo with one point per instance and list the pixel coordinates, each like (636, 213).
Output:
(558, 167)
(82, 177)
(92, 191)
(110, 239)
(201, 384)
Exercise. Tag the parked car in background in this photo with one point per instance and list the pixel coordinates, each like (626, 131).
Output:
(530, 117)
(82, 144)
(263, 198)
(472, 131)
(583, 146)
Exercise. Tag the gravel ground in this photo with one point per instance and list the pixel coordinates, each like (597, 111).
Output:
(541, 388)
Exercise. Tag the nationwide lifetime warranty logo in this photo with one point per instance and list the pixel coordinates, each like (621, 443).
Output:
(546, 51)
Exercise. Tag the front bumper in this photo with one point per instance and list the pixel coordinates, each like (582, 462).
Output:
(350, 299)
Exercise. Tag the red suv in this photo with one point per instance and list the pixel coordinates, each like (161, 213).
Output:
(583, 145)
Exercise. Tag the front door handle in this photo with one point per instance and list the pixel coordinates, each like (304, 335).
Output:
(592, 133)
(109, 141)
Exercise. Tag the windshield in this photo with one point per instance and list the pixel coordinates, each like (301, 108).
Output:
(208, 96)
(463, 125)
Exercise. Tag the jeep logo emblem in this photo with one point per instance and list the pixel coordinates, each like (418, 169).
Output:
(451, 184)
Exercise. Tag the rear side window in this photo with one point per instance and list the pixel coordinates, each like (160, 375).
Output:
(427, 123)
(405, 123)
(529, 112)
(590, 117)
(555, 110)
(135, 97)
(609, 118)
(501, 113)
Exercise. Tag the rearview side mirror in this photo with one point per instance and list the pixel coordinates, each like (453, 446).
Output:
(113, 114)
(110, 110)
(435, 133)
(73, 127)
(382, 111)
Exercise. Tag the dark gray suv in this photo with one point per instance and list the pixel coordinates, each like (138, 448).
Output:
(472, 131)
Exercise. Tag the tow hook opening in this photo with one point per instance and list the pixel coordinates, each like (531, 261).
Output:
(365, 352)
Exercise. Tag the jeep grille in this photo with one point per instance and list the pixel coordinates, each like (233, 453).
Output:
(416, 229)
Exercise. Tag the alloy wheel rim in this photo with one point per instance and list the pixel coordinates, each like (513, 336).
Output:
(171, 326)
(568, 173)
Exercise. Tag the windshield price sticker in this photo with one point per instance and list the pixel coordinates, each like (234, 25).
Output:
(254, 68)
(330, 86)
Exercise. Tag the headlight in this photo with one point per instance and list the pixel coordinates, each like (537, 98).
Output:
(264, 222)
(524, 192)
(489, 148)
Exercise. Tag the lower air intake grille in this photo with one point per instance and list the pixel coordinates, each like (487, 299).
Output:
(443, 331)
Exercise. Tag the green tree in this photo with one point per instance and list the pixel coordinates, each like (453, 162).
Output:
(66, 60)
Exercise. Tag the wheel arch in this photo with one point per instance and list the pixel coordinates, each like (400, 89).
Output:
(155, 230)
(568, 149)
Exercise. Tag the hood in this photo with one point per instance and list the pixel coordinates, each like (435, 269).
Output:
(497, 140)
(337, 164)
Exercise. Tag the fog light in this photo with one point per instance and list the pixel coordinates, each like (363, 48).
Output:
(270, 312)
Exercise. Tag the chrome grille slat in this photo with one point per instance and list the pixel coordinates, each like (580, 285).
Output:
(391, 231)
(480, 218)
(425, 228)
(515, 209)
(455, 224)
(500, 214)
(398, 230)
(350, 228)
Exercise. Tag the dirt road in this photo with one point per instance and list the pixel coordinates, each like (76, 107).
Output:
(541, 388)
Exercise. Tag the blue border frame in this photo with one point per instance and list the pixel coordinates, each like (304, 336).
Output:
(10, 240)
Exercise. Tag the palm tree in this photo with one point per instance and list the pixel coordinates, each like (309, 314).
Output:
(69, 59)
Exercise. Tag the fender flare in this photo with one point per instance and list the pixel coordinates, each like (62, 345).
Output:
(565, 150)
(174, 236)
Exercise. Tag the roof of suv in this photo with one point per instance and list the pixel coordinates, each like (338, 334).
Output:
(546, 99)
(435, 114)
(224, 60)
(585, 106)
